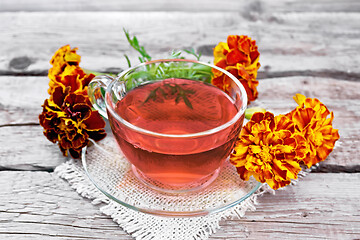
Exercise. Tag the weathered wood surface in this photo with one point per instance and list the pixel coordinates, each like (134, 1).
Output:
(310, 47)
(39, 205)
(290, 43)
(184, 5)
(26, 148)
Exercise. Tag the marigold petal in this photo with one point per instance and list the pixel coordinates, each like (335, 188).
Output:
(75, 153)
(97, 135)
(232, 41)
(94, 121)
(244, 43)
(299, 99)
(284, 123)
(244, 173)
(220, 51)
(59, 95)
(51, 135)
(235, 56)
(293, 168)
(240, 149)
(279, 169)
(302, 117)
(242, 73)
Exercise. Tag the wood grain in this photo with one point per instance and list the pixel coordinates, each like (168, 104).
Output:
(21, 99)
(290, 43)
(185, 5)
(39, 205)
(26, 148)
(313, 209)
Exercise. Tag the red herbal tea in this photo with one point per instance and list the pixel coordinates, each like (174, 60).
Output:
(176, 107)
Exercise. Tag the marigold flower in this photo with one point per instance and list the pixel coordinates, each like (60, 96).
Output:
(66, 71)
(64, 56)
(68, 119)
(311, 119)
(73, 77)
(240, 57)
(270, 149)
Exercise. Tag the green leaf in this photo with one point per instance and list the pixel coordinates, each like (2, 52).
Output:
(192, 52)
(152, 95)
(250, 111)
(187, 102)
(177, 100)
(134, 42)
(127, 60)
(162, 92)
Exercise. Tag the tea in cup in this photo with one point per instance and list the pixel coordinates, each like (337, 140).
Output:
(171, 124)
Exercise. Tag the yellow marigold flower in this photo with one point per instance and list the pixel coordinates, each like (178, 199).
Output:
(270, 149)
(63, 57)
(240, 57)
(311, 120)
(68, 119)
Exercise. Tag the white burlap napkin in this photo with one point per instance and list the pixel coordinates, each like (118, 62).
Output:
(144, 226)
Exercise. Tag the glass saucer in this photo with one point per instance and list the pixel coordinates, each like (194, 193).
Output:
(111, 173)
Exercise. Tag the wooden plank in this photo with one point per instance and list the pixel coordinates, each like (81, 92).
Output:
(320, 206)
(21, 98)
(290, 43)
(26, 148)
(185, 5)
(39, 205)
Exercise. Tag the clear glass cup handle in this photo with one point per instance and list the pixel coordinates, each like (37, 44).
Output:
(96, 92)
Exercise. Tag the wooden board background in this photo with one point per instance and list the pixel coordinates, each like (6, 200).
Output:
(310, 47)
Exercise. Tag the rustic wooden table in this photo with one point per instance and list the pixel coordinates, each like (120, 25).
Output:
(310, 47)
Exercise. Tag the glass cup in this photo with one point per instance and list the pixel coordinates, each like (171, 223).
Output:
(172, 125)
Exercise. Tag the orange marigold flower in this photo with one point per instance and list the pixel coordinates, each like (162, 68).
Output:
(240, 57)
(270, 149)
(73, 77)
(68, 119)
(311, 120)
(66, 71)
(64, 56)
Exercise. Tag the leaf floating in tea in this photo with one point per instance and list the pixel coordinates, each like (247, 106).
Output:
(168, 91)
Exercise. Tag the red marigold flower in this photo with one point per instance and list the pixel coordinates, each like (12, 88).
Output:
(68, 119)
(270, 149)
(311, 119)
(240, 57)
